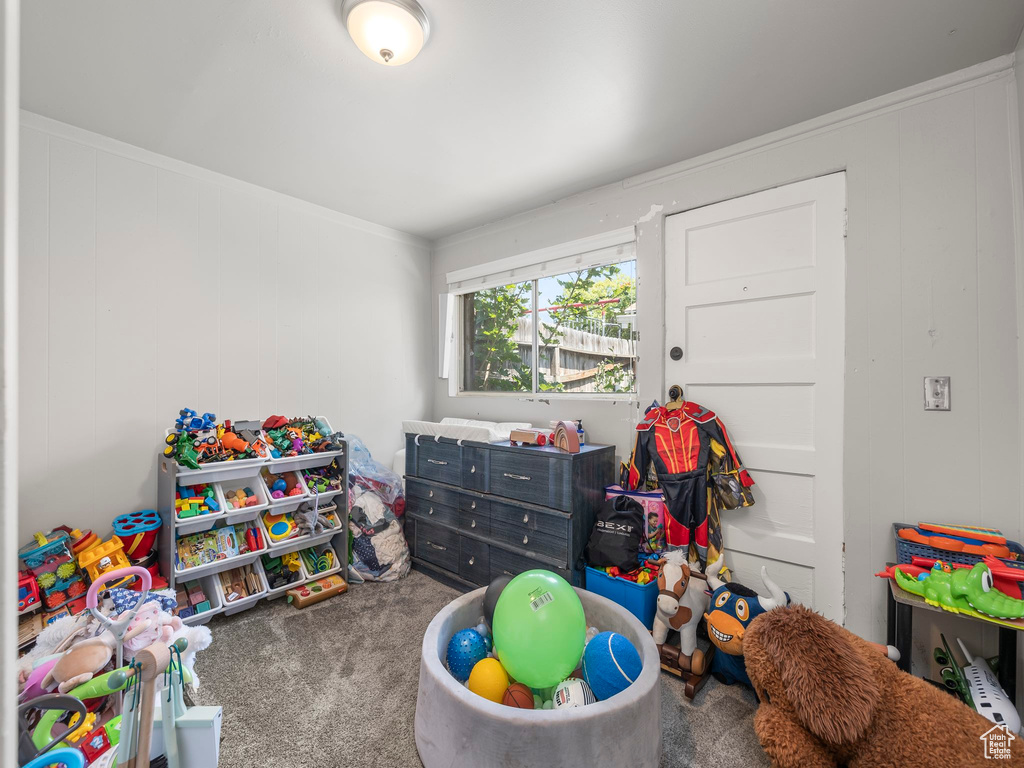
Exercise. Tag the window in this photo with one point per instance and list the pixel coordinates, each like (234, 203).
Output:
(573, 332)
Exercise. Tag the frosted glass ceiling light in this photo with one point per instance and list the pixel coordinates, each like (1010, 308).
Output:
(390, 32)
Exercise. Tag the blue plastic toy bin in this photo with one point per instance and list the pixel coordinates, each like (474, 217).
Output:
(639, 599)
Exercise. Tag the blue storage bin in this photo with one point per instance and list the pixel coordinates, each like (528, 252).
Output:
(639, 599)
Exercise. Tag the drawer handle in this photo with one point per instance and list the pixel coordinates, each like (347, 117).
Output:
(430, 511)
(516, 477)
(526, 518)
(472, 470)
(431, 494)
(437, 461)
(472, 560)
(472, 505)
(472, 524)
(526, 539)
(437, 546)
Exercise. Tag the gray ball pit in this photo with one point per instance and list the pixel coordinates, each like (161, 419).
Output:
(455, 727)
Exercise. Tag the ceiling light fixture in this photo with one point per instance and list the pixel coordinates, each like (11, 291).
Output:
(390, 32)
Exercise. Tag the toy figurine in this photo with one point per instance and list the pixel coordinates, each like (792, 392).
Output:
(680, 606)
(733, 607)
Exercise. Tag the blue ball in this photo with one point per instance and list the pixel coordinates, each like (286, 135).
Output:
(465, 649)
(610, 664)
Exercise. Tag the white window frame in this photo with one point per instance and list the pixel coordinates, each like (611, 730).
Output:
(595, 251)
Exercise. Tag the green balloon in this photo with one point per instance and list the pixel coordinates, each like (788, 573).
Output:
(539, 628)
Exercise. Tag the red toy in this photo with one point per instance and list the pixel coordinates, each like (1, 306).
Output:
(28, 591)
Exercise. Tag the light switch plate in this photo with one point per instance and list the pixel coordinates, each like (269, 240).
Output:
(936, 393)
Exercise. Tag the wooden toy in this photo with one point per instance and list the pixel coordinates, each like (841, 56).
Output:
(528, 437)
(104, 558)
(567, 437)
(29, 628)
(316, 591)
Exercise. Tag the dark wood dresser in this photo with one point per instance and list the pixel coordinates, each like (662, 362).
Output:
(475, 511)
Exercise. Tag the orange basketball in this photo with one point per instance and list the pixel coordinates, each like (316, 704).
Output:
(518, 695)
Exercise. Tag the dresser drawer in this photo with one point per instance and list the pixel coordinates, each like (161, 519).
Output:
(437, 545)
(474, 504)
(417, 489)
(521, 537)
(535, 478)
(505, 563)
(474, 564)
(549, 524)
(441, 514)
(473, 522)
(475, 462)
(439, 461)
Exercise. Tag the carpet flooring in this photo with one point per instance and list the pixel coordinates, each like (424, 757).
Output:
(335, 685)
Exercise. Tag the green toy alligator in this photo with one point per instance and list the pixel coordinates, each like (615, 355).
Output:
(962, 591)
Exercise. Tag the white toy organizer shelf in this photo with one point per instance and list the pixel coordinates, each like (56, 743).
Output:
(233, 474)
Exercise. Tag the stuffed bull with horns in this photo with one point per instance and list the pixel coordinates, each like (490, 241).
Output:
(732, 608)
(680, 606)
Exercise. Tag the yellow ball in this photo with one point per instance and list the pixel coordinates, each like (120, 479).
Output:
(488, 679)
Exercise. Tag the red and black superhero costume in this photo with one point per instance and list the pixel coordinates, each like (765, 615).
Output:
(699, 473)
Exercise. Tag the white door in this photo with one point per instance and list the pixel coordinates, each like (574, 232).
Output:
(754, 298)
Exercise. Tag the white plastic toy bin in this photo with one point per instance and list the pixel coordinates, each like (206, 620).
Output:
(221, 563)
(335, 567)
(278, 591)
(269, 477)
(199, 522)
(211, 589)
(269, 517)
(217, 465)
(308, 459)
(244, 603)
(228, 488)
(450, 719)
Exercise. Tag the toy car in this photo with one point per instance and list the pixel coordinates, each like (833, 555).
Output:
(28, 591)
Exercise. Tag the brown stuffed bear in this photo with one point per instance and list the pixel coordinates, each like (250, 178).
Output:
(829, 698)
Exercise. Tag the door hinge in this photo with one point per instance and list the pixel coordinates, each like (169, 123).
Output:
(846, 221)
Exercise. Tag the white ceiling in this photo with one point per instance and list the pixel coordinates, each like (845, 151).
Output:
(511, 104)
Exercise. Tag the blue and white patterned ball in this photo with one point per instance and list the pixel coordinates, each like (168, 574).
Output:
(465, 649)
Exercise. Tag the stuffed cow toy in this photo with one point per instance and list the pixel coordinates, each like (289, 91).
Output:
(731, 610)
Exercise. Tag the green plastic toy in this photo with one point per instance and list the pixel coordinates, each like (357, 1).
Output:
(962, 591)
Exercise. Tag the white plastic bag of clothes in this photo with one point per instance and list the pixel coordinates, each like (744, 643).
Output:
(379, 550)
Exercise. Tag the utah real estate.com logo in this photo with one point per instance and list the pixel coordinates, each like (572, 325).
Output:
(997, 742)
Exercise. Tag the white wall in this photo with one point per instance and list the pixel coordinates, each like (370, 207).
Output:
(9, 68)
(148, 285)
(930, 291)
